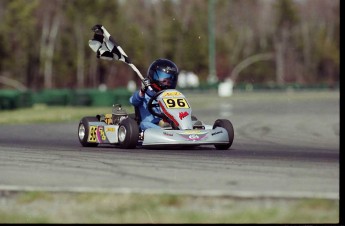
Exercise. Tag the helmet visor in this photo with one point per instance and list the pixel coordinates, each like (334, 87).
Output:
(167, 81)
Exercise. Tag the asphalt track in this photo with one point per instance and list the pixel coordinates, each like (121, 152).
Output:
(285, 145)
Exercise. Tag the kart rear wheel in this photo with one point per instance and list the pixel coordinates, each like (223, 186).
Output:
(227, 125)
(128, 133)
(83, 131)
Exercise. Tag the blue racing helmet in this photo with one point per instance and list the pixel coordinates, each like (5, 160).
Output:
(163, 74)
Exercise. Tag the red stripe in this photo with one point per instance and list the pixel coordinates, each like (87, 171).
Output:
(167, 113)
(154, 85)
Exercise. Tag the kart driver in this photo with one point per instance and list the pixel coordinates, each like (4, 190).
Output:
(162, 74)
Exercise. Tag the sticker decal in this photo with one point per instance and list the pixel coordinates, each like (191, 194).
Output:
(92, 134)
(194, 135)
(97, 134)
(101, 134)
(175, 93)
(110, 129)
(218, 132)
(168, 134)
(176, 103)
(192, 131)
(182, 115)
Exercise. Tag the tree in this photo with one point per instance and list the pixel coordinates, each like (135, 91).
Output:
(286, 19)
(17, 38)
(45, 43)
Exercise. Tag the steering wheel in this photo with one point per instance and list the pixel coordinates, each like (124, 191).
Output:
(151, 105)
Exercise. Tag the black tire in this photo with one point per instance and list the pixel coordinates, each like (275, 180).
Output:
(84, 126)
(227, 125)
(131, 115)
(128, 133)
(194, 118)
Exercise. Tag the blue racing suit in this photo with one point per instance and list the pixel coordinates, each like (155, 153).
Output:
(147, 119)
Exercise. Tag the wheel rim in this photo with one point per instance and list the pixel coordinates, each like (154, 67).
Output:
(81, 132)
(122, 133)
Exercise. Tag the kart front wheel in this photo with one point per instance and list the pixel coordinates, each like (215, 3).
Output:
(128, 133)
(227, 125)
(83, 131)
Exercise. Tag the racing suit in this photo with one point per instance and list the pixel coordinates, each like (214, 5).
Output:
(147, 119)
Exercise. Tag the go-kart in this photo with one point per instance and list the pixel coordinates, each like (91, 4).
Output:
(180, 127)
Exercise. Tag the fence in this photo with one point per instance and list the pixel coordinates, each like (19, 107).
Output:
(12, 99)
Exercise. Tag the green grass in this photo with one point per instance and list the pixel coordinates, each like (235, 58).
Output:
(42, 114)
(69, 207)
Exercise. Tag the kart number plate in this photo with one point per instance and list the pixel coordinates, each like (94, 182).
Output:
(96, 134)
(176, 102)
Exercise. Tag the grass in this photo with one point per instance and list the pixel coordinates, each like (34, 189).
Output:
(41, 113)
(69, 207)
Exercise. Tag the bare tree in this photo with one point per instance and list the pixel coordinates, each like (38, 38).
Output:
(51, 25)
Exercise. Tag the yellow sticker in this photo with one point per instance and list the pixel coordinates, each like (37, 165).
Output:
(174, 93)
(93, 134)
(110, 129)
(176, 102)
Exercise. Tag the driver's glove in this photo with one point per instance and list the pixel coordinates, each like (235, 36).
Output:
(97, 41)
(162, 123)
(144, 85)
(97, 29)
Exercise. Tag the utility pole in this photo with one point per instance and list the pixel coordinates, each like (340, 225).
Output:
(212, 76)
